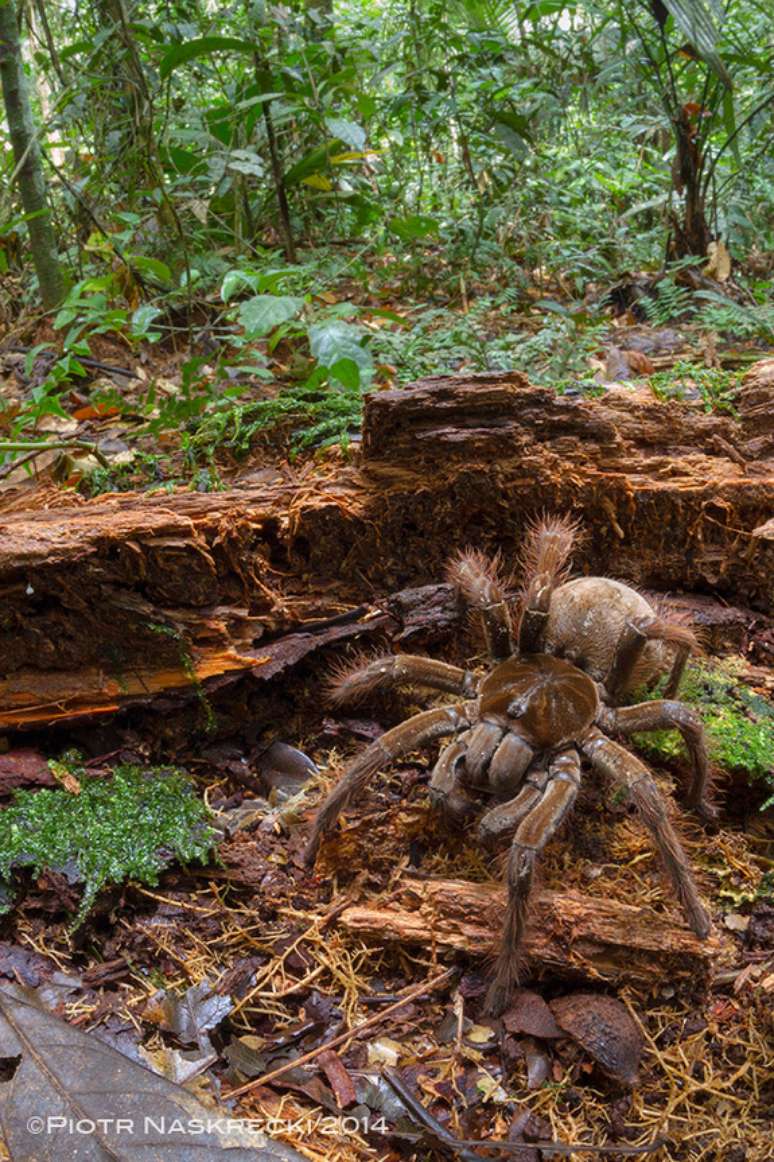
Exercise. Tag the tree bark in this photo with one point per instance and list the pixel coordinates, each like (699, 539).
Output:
(29, 165)
(569, 934)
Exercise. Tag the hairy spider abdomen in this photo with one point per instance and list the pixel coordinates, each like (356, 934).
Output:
(551, 700)
(585, 623)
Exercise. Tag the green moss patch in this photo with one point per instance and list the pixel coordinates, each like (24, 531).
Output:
(739, 722)
(129, 826)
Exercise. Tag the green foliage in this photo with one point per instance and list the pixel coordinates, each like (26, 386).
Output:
(314, 414)
(130, 826)
(739, 722)
(736, 320)
(671, 301)
(716, 386)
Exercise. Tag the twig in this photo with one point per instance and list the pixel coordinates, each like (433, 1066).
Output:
(422, 1115)
(86, 360)
(34, 448)
(342, 1037)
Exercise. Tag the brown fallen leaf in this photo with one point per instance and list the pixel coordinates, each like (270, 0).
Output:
(338, 1078)
(638, 362)
(530, 1014)
(603, 1027)
(64, 1078)
(538, 1063)
(189, 1016)
(24, 767)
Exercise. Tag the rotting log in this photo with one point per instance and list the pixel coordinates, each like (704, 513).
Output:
(115, 602)
(568, 934)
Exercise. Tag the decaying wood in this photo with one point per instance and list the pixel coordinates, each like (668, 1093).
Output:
(113, 602)
(569, 934)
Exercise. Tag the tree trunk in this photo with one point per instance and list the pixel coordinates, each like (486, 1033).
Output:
(29, 165)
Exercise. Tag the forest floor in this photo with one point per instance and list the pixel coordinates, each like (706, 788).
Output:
(222, 975)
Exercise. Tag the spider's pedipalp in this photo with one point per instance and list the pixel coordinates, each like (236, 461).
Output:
(613, 760)
(409, 735)
(355, 681)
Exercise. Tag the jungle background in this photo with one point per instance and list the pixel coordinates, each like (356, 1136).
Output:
(227, 232)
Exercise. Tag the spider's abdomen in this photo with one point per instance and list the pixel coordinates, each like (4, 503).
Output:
(551, 700)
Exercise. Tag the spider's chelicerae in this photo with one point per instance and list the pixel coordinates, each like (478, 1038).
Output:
(524, 730)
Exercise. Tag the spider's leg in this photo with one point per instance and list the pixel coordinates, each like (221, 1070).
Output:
(634, 637)
(619, 764)
(409, 735)
(355, 682)
(532, 834)
(666, 715)
(478, 579)
(545, 557)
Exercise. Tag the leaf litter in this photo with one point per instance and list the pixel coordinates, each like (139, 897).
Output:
(236, 981)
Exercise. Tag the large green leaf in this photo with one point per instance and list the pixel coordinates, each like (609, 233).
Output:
(262, 313)
(339, 347)
(349, 132)
(202, 46)
(413, 226)
(310, 163)
(696, 20)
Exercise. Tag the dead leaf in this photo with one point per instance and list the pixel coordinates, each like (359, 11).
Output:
(603, 1027)
(190, 1016)
(284, 768)
(735, 922)
(638, 362)
(530, 1014)
(538, 1063)
(24, 767)
(177, 1065)
(338, 1078)
(384, 1051)
(63, 1077)
(65, 777)
(719, 265)
(94, 411)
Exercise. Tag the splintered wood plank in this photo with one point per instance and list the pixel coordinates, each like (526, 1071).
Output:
(568, 934)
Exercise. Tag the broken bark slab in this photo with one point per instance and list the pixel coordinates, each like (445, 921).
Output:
(115, 602)
(568, 934)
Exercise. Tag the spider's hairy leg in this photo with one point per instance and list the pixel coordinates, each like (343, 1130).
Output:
(545, 563)
(409, 735)
(480, 582)
(617, 763)
(634, 637)
(532, 835)
(354, 681)
(668, 715)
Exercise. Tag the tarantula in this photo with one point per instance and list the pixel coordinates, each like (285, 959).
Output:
(523, 731)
